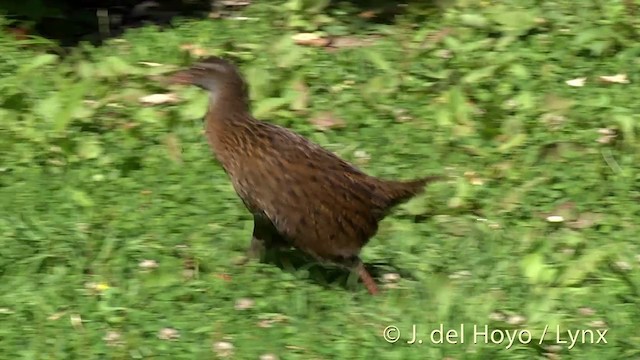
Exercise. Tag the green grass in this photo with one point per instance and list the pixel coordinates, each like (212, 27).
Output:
(93, 183)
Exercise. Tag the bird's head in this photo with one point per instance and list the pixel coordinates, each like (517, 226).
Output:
(213, 74)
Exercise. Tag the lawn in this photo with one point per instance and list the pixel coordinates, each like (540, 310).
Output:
(120, 234)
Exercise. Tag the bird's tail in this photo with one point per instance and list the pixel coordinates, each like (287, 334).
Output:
(401, 191)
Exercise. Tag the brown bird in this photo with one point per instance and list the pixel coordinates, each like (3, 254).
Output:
(300, 194)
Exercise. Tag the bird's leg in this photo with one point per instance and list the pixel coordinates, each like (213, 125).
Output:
(357, 267)
(257, 249)
(265, 239)
(357, 270)
(366, 278)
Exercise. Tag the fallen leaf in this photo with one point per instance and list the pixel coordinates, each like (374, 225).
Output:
(194, 50)
(19, 33)
(577, 82)
(362, 157)
(391, 277)
(553, 121)
(268, 357)
(568, 251)
(437, 37)
(351, 41)
(368, 14)
(326, 120)
(598, 324)
(623, 265)
(168, 334)
(244, 304)
(402, 115)
(516, 320)
(112, 338)
(225, 277)
(156, 99)
(310, 39)
(606, 131)
(223, 348)
(616, 79)
(76, 321)
(585, 220)
(150, 64)
(460, 274)
(473, 178)
(56, 316)
(148, 264)
(586, 311)
(497, 316)
(555, 219)
(235, 2)
(293, 347)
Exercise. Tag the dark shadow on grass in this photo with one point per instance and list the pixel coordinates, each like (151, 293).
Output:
(330, 276)
(68, 22)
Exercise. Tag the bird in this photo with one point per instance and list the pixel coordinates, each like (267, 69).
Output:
(300, 194)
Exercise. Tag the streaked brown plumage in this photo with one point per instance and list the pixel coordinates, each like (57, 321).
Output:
(300, 194)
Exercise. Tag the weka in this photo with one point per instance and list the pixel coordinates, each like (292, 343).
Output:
(300, 194)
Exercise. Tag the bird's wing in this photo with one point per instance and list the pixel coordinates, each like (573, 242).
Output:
(321, 203)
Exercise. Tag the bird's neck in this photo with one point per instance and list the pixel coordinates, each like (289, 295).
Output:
(230, 102)
(228, 119)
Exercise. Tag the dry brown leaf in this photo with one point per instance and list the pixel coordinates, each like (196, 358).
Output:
(368, 14)
(76, 321)
(473, 178)
(244, 304)
(362, 157)
(606, 135)
(19, 33)
(56, 316)
(223, 348)
(235, 2)
(112, 338)
(150, 64)
(553, 121)
(577, 82)
(156, 99)
(352, 41)
(327, 120)
(402, 115)
(615, 79)
(586, 311)
(148, 264)
(225, 277)
(584, 220)
(310, 39)
(268, 357)
(502, 169)
(565, 211)
(437, 37)
(391, 277)
(168, 334)
(194, 50)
